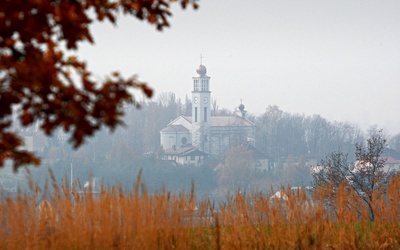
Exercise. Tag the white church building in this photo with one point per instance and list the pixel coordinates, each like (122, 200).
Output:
(188, 139)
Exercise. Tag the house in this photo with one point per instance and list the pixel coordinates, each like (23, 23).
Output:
(392, 160)
(185, 155)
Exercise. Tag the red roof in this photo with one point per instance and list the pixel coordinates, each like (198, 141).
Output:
(391, 160)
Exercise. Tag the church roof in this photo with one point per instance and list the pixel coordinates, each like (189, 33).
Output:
(226, 121)
(184, 151)
(175, 128)
(182, 120)
(391, 160)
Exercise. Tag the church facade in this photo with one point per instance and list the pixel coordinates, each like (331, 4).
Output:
(210, 135)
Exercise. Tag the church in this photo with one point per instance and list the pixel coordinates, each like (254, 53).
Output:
(190, 139)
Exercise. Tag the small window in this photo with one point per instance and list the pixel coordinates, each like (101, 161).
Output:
(184, 140)
(195, 114)
(205, 114)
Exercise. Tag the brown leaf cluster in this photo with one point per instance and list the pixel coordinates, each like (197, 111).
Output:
(38, 77)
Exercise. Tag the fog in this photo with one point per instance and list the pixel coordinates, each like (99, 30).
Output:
(339, 59)
(331, 69)
(291, 143)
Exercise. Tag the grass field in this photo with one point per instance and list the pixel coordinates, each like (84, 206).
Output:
(115, 219)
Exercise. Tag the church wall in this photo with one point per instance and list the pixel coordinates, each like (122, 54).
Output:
(168, 140)
(201, 137)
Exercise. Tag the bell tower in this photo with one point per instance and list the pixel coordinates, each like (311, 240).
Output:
(201, 111)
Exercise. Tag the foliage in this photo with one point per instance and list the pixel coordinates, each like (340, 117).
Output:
(281, 134)
(139, 220)
(394, 142)
(366, 177)
(37, 70)
(174, 178)
(238, 170)
(295, 173)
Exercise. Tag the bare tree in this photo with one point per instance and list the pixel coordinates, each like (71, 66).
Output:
(214, 107)
(366, 177)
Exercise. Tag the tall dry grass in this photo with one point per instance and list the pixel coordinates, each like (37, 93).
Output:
(115, 219)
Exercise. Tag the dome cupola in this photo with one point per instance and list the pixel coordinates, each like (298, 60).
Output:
(201, 70)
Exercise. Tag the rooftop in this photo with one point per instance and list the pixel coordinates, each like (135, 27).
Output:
(175, 128)
(226, 121)
(184, 151)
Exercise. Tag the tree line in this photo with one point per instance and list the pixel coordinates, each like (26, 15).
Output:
(279, 135)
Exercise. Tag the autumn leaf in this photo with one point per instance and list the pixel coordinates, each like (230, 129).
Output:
(39, 77)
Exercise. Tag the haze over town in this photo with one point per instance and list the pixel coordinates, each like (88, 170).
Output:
(339, 59)
(274, 124)
(309, 73)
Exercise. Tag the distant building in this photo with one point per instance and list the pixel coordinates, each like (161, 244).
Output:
(212, 135)
(392, 160)
(185, 155)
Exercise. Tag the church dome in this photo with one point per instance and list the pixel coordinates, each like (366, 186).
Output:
(201, 70)
(241, 107)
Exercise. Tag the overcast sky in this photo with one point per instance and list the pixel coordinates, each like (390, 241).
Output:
(339, 59)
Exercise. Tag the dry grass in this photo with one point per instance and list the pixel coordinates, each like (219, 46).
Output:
(138, 220)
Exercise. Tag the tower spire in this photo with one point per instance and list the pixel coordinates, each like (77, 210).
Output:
(201, 59)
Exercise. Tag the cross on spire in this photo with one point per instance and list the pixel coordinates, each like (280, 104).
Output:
(201, 59)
